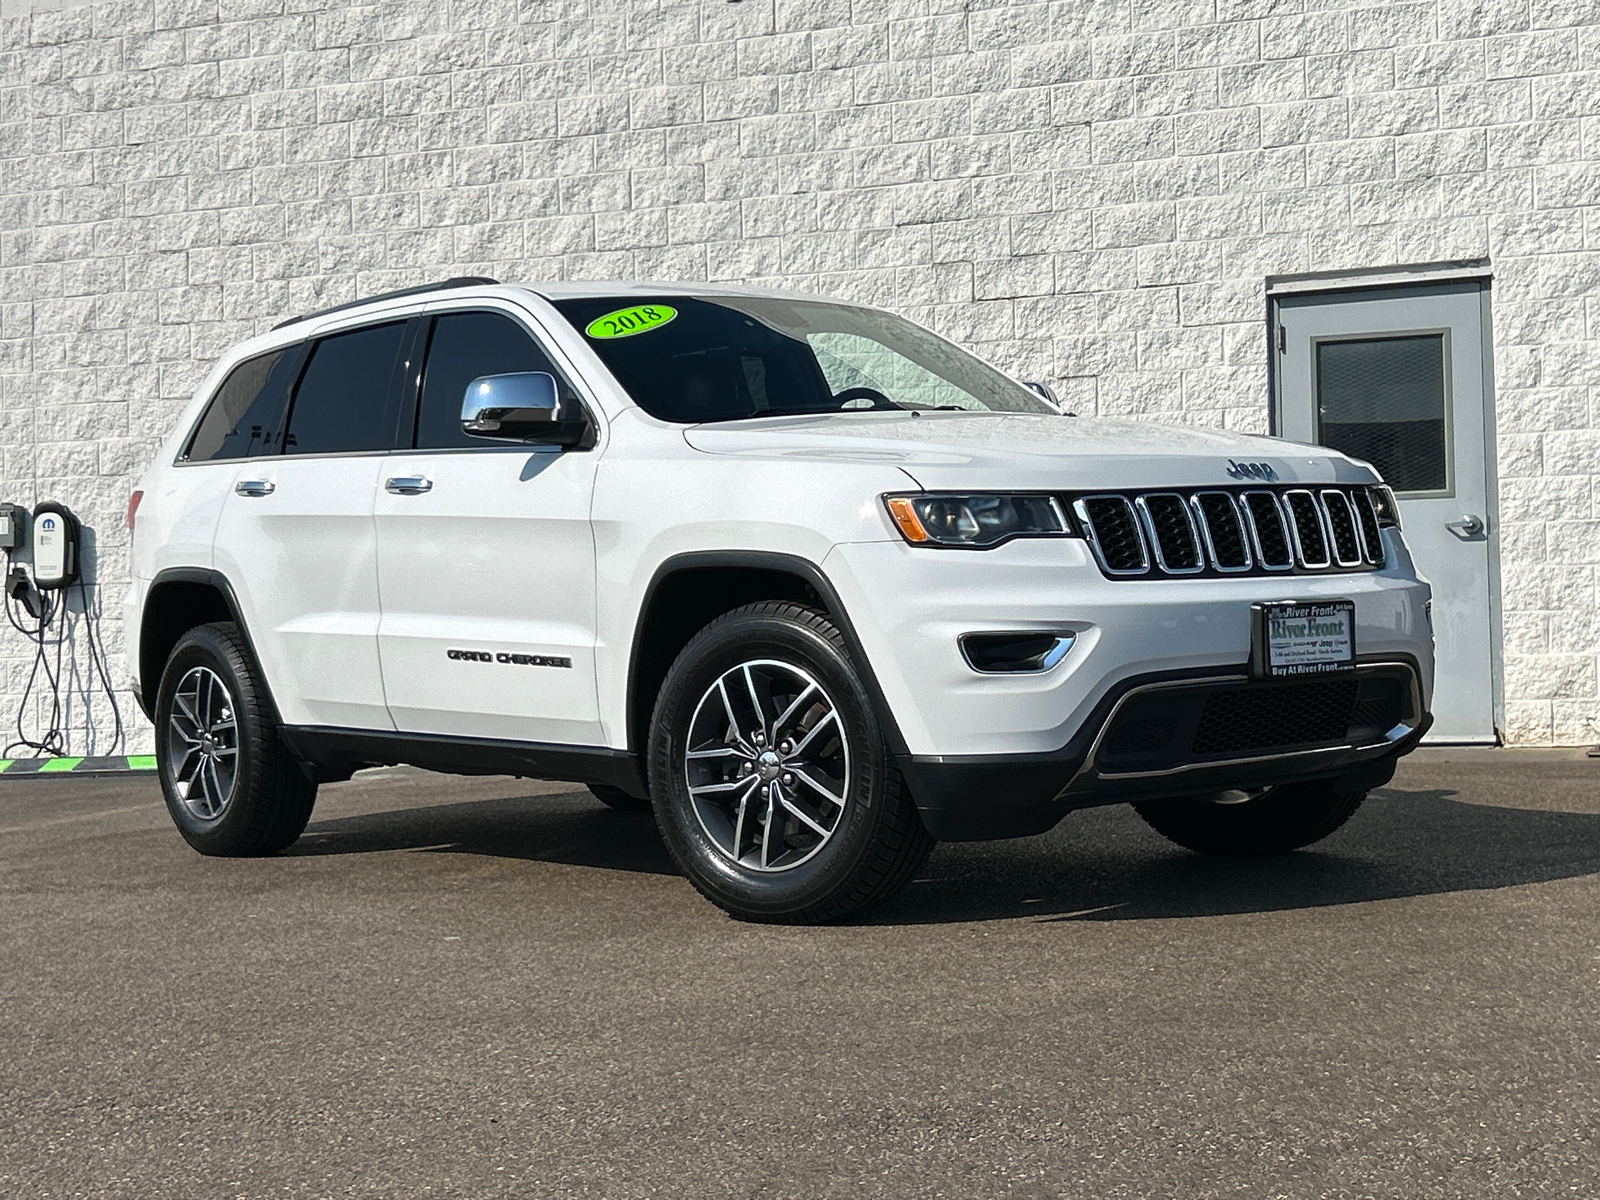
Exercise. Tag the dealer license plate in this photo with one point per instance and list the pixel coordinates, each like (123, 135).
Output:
(1307, 639)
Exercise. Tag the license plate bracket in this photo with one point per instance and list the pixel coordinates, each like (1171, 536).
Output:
(1290, 638)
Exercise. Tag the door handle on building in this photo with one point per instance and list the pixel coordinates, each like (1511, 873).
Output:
(1468, 527)
(408, 485)
(255, 487)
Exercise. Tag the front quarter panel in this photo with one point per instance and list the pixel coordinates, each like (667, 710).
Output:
(656, 499)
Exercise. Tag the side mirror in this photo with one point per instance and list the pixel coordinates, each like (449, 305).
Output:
(1044, 391)
(525, 407)
(1048, 394)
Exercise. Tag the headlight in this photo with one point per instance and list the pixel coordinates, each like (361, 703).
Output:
(976, 522)
(1384, 506)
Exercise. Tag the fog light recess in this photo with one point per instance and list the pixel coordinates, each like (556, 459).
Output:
(1014, 653)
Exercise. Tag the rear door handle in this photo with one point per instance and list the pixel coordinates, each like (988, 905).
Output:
(408, 485)
(1468, 527)
(255, 487)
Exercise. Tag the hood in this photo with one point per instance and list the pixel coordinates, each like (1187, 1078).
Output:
(961, 450)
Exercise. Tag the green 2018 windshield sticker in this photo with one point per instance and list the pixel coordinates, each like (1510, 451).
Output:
(626, 322)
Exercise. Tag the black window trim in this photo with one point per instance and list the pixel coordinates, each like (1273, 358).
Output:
(411, 401)
(414, 341)
(391, 393)
(297, 348)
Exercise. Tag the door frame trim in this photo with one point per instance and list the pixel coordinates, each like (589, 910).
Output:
(1368, 278)
(1381, 279)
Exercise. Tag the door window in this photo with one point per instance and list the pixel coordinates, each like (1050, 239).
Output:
(343, 398)
(1385, 400)
(245, 417)
(467, 346)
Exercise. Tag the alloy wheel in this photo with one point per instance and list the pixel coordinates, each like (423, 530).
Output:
(203, 743)
(767, 765)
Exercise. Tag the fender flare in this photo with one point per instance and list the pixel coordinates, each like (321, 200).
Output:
(778, 562)
(218, 582)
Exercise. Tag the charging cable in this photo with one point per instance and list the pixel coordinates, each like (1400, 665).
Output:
(32, 613)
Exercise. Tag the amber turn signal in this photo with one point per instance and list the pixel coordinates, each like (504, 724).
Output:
(906, 518)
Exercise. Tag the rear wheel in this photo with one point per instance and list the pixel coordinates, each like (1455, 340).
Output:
(231, 786)
(773, 787)
(1273, 821)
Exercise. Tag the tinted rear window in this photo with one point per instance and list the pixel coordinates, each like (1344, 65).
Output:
(464, 347)
(342, 403)
(245, 417)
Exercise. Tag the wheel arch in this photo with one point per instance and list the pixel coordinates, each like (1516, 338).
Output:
(179, 599)
(690, 590)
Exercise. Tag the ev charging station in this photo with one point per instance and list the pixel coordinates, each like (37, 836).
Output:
(50, 600)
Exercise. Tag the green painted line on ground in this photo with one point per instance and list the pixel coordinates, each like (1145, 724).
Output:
(102, 764)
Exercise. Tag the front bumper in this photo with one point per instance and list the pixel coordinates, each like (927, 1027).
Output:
(1183, 733)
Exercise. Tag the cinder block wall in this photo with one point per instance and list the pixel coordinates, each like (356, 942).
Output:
(1092, 191)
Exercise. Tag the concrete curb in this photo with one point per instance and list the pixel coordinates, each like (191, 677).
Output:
(106, 764)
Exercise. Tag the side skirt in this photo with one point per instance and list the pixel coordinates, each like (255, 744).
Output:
(333, 754)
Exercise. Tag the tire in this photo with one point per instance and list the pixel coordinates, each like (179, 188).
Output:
(1278, 820)
(823, 860)
(615, 797)
(223, 715)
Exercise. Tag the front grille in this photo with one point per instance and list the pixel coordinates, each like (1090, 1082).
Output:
(1181, 725)
(1223, 527)
(1215, 531)
(1114, 532)
(1270, 531)
(1305, 522)
(1342, 524)
(1172, 533)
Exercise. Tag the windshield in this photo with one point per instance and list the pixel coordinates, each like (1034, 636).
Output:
(692, 359)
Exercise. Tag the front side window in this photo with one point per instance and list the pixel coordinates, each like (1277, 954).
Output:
(245, 417)
(466, 346)
(342, 403)
(693, 359)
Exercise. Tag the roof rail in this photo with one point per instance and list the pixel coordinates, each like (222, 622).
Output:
(460, 281)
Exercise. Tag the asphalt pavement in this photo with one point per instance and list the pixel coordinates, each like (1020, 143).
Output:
(492, 987)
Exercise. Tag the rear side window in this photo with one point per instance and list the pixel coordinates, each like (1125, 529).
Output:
(464, 347)
(342, 403)
(245, 417)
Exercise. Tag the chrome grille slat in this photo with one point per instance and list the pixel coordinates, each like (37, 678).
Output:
(1269, 530)
(1367, 520)
(1228, 532)
(1345, 542)
(1227, 545)
(1172, 533)
(1305, 522)
(1113, 533)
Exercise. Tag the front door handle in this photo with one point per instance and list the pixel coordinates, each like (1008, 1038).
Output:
(255, 487)
(1468, 527)
(408, 485)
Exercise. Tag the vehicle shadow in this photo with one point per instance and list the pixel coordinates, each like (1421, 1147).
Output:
(573, 829)
(1107, 865)
(1097, 865)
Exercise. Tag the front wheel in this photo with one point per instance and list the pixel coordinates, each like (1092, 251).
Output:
(231, 786)
(774, 790)
(1272, 821)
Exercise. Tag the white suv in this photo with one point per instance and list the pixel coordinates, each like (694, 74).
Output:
(819, 585)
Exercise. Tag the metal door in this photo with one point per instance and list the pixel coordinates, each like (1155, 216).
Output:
(1399, 377)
